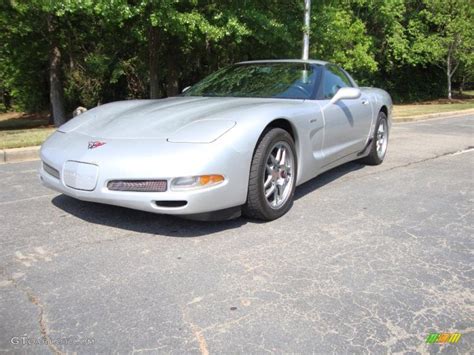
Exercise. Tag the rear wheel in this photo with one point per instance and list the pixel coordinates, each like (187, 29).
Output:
(378, 148)
(272, 176)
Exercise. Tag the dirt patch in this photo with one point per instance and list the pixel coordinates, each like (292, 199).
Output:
(453, 101)
(24, 116)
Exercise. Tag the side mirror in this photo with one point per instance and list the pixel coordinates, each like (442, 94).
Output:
(185, 89)
(346, 94)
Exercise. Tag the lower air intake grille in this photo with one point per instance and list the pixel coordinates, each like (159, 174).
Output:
(138, 185)
(50, 170)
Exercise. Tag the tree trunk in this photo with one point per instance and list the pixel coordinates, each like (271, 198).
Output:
(56, 95)
(172, 85)
(51, 117)
(450, 95)
(153, 63)
(7, 100)
(461, 85)
(448, 71)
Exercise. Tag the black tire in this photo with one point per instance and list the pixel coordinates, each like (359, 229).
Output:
(257, 206)
(373, 158)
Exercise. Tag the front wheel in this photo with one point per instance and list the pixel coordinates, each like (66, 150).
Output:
(272, 178)
(378, 148)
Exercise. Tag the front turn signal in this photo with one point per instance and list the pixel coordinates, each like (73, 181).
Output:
(195, 182)
(210, 179)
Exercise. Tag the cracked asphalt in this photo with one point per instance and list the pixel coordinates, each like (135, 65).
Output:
(369, 260)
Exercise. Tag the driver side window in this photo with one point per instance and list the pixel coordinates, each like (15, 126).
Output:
(334, 79)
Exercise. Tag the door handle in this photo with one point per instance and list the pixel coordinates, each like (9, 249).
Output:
(365, 102)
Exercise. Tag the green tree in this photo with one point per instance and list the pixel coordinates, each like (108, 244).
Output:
(60, 54)
(339, 36)
(452, 40)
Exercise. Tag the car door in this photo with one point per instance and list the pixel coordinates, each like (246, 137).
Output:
(347, 122)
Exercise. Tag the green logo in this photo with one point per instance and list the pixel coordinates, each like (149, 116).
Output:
(443, 338)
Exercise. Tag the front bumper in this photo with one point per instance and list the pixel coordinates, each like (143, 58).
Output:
(129, 160)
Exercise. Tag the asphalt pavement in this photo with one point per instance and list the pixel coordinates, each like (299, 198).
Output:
(369, 259)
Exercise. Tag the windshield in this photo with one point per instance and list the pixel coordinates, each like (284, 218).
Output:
(271, 80)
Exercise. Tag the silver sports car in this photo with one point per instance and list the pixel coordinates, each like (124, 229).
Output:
(240, 140)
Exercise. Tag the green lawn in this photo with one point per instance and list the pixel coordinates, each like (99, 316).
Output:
(19, 129)
(402, 111)
(24, 137)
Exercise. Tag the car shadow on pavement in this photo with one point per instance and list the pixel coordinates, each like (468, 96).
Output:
(326, 178)
(171, 226)
(139, 221)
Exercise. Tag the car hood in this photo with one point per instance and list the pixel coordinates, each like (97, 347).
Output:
(160, 118)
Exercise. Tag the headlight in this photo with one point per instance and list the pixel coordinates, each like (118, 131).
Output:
(195, 182)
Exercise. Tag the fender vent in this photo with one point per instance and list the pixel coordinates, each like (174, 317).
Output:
(138, 185)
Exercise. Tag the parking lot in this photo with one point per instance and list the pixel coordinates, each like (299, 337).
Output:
(368, 259)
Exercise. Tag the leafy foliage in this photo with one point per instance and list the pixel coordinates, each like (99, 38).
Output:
(119, 49)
